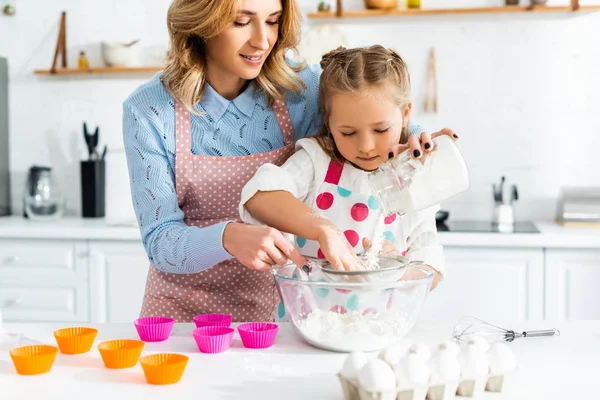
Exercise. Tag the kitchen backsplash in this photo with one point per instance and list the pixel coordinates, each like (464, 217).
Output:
(520, 90)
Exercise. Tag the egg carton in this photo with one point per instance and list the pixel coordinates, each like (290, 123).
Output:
(464, 388)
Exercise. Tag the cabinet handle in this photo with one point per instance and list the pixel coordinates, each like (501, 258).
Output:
(11, 260)
(11, 302)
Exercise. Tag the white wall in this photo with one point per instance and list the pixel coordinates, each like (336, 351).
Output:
(521, 90)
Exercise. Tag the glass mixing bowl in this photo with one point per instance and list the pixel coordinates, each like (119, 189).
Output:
(353, 316)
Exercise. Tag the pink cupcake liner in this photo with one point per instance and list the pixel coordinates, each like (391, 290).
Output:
(258, 335)
(213, 320)
(154, 329)
(213, 339)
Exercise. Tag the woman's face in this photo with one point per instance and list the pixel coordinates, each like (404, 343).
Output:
(365, 126)
(242, 48)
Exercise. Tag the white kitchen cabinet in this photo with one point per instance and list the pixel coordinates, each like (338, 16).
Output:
(492, 284)
(118, 271)
(44, 280)
(572, 284)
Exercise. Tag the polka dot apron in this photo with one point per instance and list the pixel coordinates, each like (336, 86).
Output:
(209, 191)
(356, 212)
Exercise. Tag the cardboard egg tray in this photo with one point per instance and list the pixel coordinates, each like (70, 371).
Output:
(465, 388)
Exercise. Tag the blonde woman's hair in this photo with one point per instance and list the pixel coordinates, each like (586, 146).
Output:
(192, 22)
(353, 71)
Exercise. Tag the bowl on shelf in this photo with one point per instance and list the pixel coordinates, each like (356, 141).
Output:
(354, 316)
(381, 4)
(116, 54)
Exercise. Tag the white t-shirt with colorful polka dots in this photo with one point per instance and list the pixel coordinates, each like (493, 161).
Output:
(341, 192)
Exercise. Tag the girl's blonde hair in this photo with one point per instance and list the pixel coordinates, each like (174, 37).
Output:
(353, 71)
(192, 22)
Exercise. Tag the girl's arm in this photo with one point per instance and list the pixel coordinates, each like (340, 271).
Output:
(274, 197)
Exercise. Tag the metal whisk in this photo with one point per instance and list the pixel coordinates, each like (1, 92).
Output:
(468, 326)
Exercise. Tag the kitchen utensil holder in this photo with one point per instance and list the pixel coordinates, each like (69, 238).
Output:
(93, 189)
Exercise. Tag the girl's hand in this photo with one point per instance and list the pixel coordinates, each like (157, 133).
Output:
(416, 274)
(419, 144)
(259, 247)
(387, 247)
(337, 250)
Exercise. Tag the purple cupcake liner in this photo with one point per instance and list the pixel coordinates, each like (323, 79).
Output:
(154, 329)
(213, 320)
(213, 339)
(258, 335)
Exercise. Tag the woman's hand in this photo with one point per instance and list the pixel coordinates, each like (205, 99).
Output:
(423, 143)
(259, 247)
(336, 249)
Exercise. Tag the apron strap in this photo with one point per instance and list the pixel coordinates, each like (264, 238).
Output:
(334, 172)
(183, 135)
(284, 121)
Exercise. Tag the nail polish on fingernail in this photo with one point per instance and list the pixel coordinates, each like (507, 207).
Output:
(427, 146)
(416, 153)
(455, 135)
(390, 154)
(306, 268)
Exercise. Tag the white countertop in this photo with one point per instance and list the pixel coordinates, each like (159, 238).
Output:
(17, 227)
(564, 367)
(552, 234)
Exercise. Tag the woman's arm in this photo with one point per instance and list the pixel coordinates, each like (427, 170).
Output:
(170, 244)
(173, 246)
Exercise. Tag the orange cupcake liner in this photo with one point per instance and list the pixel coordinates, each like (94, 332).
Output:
(76, 340)
(33, 360)
(121, 353)
(163, 368)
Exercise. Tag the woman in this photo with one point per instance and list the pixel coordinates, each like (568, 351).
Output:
(228, 101)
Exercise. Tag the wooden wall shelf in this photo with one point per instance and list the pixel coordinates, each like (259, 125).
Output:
(411, 12)
(97, 71)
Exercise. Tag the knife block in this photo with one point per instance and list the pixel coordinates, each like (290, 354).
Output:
(93, 189)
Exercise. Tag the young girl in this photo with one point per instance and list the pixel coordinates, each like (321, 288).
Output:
(321, 194)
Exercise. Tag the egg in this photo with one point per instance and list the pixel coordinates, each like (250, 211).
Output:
(393, 355)
(353, 364)
(479, 341)
(377, 375)
(412, 371)
(501, 359)
(422, 350)
(473, 361)
(444, 365)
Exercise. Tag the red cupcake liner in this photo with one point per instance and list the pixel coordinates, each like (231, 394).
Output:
(213, 339)
(258, 335)
(213, 320)
(154, 329)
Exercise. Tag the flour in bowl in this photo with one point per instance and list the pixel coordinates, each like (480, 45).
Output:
(354, 330)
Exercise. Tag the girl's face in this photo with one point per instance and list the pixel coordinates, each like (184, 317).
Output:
(241, 49)
(365, 126)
